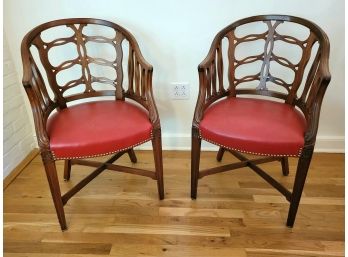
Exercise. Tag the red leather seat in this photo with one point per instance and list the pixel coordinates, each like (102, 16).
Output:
(254, 126)
(97, 128)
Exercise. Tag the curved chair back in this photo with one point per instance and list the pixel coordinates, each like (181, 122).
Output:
(306, 86)
(82, 41)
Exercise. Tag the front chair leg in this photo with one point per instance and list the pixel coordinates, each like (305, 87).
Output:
(67, 170)
(132, 155)
(300, 178)
(51, 173)
(220, 154)
(285, 165)
(195, 157)
(157, 153)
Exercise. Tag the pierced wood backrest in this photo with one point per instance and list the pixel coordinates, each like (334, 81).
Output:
(212, 68)
(139, 72)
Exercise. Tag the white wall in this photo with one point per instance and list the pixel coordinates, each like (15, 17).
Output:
(18, 133)
(175, 36)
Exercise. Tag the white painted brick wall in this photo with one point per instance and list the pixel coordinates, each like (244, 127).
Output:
(17, 131)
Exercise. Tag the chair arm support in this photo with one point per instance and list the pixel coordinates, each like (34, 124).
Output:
(143, 81)
(198, 114)
(205, 96)
(153, 112)
(40, 120)
(312, 125)
(39, 109)
(313, 107)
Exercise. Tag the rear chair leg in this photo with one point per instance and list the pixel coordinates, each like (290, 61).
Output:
(195, 157)
(132, 155)
(300, 178)
(51, 173)
(220, 154)
(67, 170)
(157, 153)
(285, 166)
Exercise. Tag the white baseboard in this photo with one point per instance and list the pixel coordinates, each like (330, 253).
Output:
(329, 144)
(182, 142)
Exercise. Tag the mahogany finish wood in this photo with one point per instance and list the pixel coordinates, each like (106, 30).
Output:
(139, 73)
(67, 170)
(212, 88)
(244, 163)
(100, 168)
(263, 174)
(285, 166)
(132, 155)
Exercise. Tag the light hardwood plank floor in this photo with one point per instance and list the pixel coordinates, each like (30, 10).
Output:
(236, 213)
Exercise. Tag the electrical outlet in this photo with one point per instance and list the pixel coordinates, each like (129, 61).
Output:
(180, 90)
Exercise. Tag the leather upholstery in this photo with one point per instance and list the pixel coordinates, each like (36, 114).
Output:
(97, 128)
(254, 126)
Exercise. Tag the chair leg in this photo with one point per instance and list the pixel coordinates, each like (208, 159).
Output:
(157, 152)
(67, 170)
(132, 155)
(220, 154)
(51, 173)
(195, 158)
(300, 178)
(285, 166)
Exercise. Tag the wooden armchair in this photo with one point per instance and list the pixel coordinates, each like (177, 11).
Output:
(104, 124)
(282, 120)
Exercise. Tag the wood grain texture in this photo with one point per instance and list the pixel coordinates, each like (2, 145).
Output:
(117, 214)
(18, 169)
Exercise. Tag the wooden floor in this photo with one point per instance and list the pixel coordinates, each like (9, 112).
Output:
(236, 213)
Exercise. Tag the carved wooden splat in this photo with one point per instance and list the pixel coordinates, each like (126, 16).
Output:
(214, 71)
(268, 51)
(83, 59)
